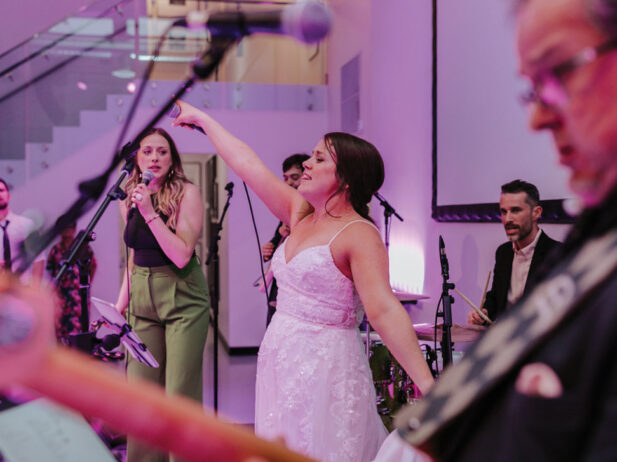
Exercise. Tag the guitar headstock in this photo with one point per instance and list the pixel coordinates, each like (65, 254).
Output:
(26, 328)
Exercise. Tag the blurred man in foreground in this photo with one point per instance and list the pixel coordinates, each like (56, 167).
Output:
(541, 384)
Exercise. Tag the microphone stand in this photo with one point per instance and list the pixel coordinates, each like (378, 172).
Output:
(78, 249)
(388, 211)
(447, 300)
(213, 257)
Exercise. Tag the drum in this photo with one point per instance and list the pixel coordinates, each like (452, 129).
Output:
(394, 389)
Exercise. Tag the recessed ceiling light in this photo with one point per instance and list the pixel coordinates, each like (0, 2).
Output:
(123, 73)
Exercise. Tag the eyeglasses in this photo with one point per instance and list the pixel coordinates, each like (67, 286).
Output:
(549, 90)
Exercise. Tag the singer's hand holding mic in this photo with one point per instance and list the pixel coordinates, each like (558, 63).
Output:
(140, 198)
(186, 115)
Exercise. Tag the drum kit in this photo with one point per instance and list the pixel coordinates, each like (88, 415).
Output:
(394, 389)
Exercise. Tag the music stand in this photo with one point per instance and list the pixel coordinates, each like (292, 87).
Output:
(118, 325)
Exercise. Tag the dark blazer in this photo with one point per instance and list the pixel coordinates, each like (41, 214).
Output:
(497, 298)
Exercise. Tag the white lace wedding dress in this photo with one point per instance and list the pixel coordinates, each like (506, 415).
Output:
(314, 384)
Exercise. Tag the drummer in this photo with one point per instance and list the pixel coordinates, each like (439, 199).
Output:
(518, 260)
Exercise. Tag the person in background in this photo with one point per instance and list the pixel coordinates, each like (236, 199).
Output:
(68, 321)
(541, 384)
(15, 229)
(516, 261)
(292, 174)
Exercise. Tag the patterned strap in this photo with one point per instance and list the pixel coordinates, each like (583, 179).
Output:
(348, 224)
(507, 342)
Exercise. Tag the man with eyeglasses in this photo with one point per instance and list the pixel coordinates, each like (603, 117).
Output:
(541, 384)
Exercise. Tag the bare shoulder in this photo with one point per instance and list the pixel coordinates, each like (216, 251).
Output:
(359, 237)
(191, 190)
(358, 245)
(361, 227)
(362, 234)
(191, 196)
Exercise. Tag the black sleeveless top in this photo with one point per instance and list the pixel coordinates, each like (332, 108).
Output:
(137, 236)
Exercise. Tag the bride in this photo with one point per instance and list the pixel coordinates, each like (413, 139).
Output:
(314, 386)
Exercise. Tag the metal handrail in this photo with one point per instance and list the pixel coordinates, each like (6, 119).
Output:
(33, 55)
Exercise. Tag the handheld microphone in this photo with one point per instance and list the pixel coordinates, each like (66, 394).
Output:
(175, 112)
(229, 187)
(146, 177)
(445, 268)
(307, 22)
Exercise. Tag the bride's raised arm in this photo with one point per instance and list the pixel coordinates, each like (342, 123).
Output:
(282, 200)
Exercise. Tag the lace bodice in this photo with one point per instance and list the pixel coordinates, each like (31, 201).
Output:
(312, 288)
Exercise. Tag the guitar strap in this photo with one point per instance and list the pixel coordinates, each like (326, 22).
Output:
(506, 343)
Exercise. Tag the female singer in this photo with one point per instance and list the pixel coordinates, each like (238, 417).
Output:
(314, 385)
(168, 293)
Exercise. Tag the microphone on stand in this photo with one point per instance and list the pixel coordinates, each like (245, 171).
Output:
(447, 300)
(308, 22)
(445, 268)
(229, 187)
(146, 177)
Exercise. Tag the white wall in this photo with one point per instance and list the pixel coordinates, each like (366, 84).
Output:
(480, 116)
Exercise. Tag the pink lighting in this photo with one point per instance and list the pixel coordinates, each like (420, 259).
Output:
(131, 87)
(82, 86)
(407, 267)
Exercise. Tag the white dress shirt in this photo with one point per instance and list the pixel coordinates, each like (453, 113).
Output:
(520, 269)
(18, 229)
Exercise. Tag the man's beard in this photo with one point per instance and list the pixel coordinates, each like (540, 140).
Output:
(521, 235)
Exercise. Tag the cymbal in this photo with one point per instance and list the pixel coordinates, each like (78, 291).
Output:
(407, 297)
(460, 333)
(373, 336)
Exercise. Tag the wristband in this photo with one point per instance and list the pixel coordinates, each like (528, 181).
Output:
(150, 220)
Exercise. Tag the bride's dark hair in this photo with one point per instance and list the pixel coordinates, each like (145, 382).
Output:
(359, 169)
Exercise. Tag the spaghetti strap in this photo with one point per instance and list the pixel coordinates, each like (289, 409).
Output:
(351, 223)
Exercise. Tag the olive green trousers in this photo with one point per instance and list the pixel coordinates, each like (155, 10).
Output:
(169, 311)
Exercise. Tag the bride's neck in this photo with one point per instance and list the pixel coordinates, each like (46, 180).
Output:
(337, 208)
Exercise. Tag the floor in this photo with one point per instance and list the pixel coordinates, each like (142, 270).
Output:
(236, 384)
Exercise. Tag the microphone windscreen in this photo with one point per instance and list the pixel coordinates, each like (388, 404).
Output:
(147, 177)
(308, 22)
(174, 111)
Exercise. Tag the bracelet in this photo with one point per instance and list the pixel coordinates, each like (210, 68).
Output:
(150, 220)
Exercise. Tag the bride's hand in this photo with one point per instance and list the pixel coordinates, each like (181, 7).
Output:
(189, 116)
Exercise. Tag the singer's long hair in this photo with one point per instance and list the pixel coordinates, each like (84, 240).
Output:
(167, 199)
(359, 169)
